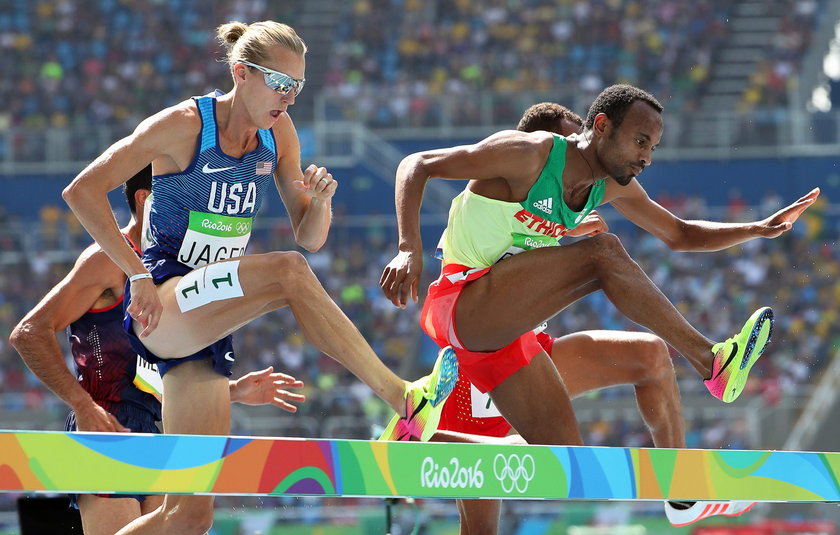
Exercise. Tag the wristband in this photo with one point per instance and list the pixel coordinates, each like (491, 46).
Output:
(144, 275)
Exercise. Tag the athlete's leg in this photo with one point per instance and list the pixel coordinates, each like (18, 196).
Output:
(478, 517)
(521, 292)
(105, 516)
(151, 503)
(535, 402)
(589, 361)
(196, 401)
(592, 360)
(268, 282)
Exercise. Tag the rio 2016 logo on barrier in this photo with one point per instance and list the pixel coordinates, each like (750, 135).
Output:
(451, 476)
(513, 471)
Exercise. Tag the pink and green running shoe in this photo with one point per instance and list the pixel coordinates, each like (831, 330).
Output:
(734, 357)
(424, 401)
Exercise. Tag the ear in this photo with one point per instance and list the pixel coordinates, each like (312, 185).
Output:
(601, 124)
(239, 70)
(140, 197)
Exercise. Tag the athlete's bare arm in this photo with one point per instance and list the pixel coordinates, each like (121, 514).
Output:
(94, 282)
(681, 235)
(307, 195)
(516, 157)
(161, 139)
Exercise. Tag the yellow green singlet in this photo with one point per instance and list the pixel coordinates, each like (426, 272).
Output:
(481, 231)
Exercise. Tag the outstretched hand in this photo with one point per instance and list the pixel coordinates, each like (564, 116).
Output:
(266, 387)
(593, 224)
(783, 220)
(402, 276)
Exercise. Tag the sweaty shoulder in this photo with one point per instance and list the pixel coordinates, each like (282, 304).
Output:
(95, 267)
(169, 136)
(180, 119)
(529, 149)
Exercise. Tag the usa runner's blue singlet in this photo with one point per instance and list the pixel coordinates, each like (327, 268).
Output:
(205, 213)
(202, 215)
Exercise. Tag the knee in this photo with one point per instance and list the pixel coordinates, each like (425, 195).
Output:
(290, 268)
(655, 360)
(607, 248)
(291, 262)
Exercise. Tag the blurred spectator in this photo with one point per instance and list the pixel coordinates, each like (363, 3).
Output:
(772, 81)
(395, 58)
(112, 63)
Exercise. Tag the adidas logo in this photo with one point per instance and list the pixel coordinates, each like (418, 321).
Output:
(544, 205)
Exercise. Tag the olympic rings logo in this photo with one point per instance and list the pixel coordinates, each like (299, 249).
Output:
(514, 472)
(242, 228)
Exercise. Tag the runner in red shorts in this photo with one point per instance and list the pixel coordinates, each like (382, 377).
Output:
(503, 274)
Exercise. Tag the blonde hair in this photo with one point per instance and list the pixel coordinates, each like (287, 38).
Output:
(250, 42)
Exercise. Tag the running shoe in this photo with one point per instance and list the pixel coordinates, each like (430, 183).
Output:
(734, 357)
(424, 401)
(701, 510)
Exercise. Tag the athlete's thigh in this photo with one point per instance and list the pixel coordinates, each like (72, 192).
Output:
(213, 301)
(590, 360)
(106, 516)
(479, 517)
(521, 292)
(544, 415)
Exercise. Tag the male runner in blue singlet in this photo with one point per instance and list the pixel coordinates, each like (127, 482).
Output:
(214, 158)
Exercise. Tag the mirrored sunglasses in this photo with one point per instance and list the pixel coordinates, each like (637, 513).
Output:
(279, 82)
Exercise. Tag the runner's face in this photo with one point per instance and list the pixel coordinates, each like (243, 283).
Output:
(267, 105)
(625, 151)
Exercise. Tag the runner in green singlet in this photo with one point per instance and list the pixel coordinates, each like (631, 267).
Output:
(587, 361)
(540, 185)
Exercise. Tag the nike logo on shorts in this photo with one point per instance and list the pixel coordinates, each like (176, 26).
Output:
(208, 170)
(229, 356)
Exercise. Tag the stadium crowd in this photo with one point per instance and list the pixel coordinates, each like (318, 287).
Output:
(113, 62)
(571, 50)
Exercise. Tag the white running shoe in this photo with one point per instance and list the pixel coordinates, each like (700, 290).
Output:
(701, 510)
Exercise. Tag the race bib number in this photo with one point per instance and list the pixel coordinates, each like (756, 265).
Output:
(482, 405)
(523, 242)
(213, 237)
(147, 378)
(215, 282)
